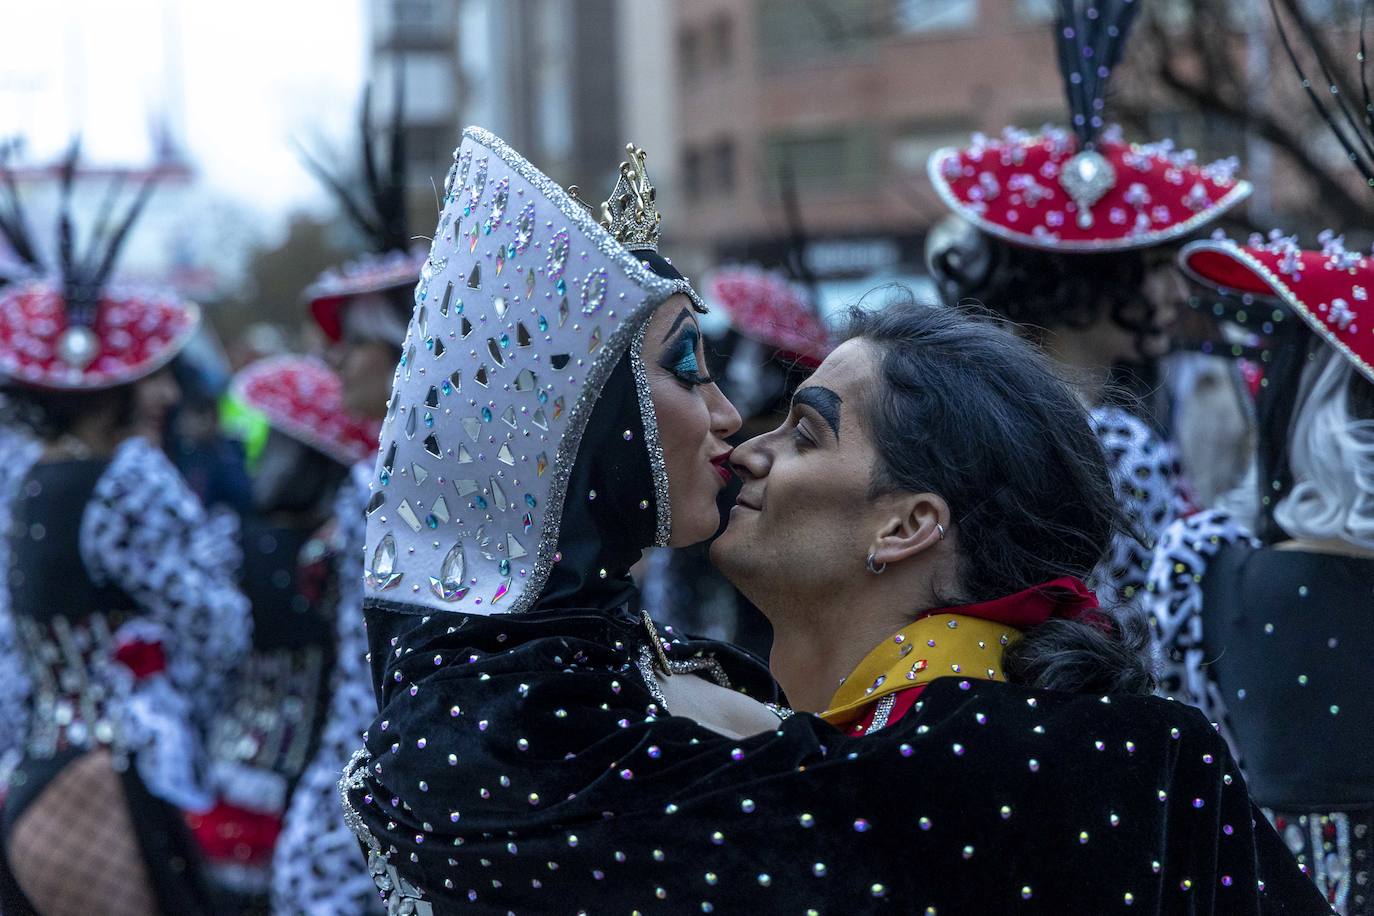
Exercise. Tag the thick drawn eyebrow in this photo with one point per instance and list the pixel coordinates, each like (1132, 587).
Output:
(681, 316)
(824, 402)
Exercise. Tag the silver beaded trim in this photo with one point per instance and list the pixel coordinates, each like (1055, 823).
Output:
(704, 663)
(782, 712)
(401, 895)
(882, 713)
(352, 778)
(657, 467)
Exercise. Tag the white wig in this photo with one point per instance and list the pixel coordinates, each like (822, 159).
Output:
(1331, 454)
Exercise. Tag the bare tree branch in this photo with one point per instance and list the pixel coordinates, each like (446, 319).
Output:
(1201, 69)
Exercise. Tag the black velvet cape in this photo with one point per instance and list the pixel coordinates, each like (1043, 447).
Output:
(569, 791)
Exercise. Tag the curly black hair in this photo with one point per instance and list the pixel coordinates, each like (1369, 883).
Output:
(50, 415)
(1041, 290)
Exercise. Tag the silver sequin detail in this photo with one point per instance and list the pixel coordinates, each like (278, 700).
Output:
(659, 469)
(402, 897)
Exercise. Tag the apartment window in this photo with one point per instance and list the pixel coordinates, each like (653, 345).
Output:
(1036, 10)
(689, 54)
(1212, 136)
(844, 157)
(723, 167)
(427, 150)
(691, 173)
(722, 32)
(415, 17)
(792, 33)
(551, 77)
(915, 16)
(912, 147)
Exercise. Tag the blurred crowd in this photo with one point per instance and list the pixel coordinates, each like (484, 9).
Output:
(184, 660)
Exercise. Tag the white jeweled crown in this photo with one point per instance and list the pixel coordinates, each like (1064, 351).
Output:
(522, 310)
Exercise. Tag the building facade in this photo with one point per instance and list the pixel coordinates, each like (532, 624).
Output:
(543, 74)
(805, 126)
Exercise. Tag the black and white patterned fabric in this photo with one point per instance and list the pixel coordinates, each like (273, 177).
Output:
(145, 532)
(1175, 604)
(317, 867)
(18, 452)
(1146, 479)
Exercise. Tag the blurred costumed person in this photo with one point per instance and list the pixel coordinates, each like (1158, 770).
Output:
(200, 435)
(1069, 233)
(18, 261)
(120, 591)
(1270, 614)
(541, 745)
(270, 725)
(19, 446)
(362, 309)
(775, 338)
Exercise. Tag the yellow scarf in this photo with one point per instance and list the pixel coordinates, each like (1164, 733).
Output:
(941, 645)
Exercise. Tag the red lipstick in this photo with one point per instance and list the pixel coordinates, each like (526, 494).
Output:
(722, 465)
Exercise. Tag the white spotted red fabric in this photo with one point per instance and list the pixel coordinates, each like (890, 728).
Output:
(1012, 187)
(373, 273)
(304, 399)
(138, 333)
(1328, 288)
(764, 307)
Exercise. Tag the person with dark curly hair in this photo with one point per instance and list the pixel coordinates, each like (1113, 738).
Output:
(1068, 233)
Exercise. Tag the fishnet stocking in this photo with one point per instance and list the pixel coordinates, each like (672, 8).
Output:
(74, 851)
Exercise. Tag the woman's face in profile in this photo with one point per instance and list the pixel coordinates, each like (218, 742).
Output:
(694, 419)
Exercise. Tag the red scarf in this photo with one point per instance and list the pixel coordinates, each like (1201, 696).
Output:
(1066, 598)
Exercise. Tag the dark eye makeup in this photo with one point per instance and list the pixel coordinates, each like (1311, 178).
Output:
(680, 358)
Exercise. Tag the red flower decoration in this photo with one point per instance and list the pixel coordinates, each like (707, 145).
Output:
(1036, 190)
(1329, 288)
(766, 308)
(230, 834)
(143, 658)
(134, 335)
(304, 399)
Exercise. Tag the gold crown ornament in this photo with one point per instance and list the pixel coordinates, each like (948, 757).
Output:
(631, 214)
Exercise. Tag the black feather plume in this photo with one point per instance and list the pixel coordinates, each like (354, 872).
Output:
(115, 244)
(371, 180)
(84, 275)
(102, 221)
(13, 225)
(1090, 37)
(391, 200)
(339, 188)
(73, 290)
(378, 207)
(1353, 130)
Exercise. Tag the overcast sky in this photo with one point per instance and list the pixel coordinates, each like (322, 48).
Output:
(239, 79)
